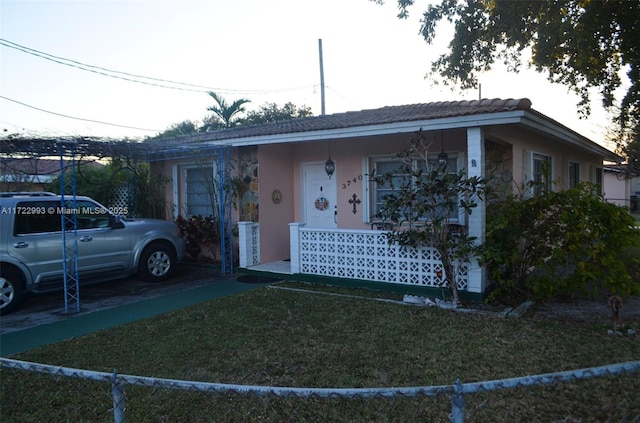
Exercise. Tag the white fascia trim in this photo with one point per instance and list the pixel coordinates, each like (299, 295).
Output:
(560, 131)
(383, 129)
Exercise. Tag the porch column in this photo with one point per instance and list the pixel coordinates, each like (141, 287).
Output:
(294, 242)
(477, 277)
(249, 243)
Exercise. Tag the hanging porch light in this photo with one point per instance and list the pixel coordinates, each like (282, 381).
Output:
(329, 167)
(442, 156)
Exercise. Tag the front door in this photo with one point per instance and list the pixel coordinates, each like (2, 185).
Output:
(320, 208)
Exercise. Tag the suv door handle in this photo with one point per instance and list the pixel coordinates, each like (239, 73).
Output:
(20, 244)
(86, 238)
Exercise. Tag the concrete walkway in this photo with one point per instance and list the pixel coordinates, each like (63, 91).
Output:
(81, 324)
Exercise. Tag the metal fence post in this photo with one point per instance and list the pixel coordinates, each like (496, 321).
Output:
(117, 392)
(457, 403)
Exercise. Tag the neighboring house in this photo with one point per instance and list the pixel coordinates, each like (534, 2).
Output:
(296, 219)
(616, 186)
(635, 194)
(635, 185)
(28, 174)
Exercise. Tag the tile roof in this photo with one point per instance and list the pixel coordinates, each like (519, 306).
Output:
(383, 115)
(164, 148)
(33, 166)
(159, 146)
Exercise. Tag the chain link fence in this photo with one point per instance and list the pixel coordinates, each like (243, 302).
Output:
(51, 393)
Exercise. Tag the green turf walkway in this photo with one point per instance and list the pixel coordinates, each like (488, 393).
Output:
(74, 326)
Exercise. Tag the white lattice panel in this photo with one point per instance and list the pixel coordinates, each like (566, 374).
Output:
(367, 255)
(120, 199)
(255, 244)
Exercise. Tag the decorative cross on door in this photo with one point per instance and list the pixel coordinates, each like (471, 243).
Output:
(355, 201)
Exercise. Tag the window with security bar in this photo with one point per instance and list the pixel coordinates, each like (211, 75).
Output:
(382, 190)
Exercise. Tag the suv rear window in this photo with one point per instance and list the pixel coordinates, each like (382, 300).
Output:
(36, 217)
(44, 216)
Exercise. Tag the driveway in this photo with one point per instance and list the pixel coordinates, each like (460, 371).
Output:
(42, 320)
(47, 308)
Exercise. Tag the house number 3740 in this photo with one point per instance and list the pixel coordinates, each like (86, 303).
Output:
(355, 180)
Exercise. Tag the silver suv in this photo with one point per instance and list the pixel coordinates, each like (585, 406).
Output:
(109, 246)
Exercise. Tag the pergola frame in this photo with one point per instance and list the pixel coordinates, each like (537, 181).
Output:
(69, 226)
(70, 148)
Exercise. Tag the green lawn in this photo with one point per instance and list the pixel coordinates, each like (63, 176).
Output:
(284, 338)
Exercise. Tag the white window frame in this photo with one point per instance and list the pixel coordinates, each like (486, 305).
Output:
(597, 178)
(181, 186)
(573, 174)
(531, 173)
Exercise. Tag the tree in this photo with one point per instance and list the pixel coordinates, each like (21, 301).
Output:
(268, 112)
(424, 196)
(631, 150)
(628, 146)
(182, 128)
(225, 115)
(97, 182)
(146, 188)
(271, 112)
(580, 43)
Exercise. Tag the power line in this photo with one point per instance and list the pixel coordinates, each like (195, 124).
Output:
(343, 97)
(77, 118)
(61, 60)
(183, 86)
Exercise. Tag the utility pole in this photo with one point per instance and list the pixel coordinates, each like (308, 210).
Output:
(321, 78)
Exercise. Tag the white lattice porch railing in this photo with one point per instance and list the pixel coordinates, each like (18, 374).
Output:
(366, 255)
(249, 243)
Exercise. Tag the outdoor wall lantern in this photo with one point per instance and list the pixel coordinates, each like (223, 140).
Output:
(442, 157)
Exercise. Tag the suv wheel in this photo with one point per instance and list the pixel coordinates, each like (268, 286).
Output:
(157, 262)
(11, 291)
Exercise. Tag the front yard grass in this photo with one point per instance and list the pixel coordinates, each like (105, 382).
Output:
(286, 338)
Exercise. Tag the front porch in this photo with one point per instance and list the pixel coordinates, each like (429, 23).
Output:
(282, 267)
(356, 258)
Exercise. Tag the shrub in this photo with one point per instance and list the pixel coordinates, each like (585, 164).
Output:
(565, 242)
(199, 232)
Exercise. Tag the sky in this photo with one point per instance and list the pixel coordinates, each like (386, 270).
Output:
(265, 51)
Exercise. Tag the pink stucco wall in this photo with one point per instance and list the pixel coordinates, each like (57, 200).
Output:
(535, 142)
(276, 173)
(280, 168)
